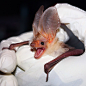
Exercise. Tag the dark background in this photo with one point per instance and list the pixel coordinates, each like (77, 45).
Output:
(16, 17)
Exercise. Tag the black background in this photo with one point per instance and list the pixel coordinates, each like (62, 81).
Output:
(16, 17)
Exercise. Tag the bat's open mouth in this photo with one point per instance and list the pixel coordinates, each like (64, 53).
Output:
(38, 52)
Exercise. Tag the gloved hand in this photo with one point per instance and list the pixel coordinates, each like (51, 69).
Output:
(69, 72)
(8, 80)
(8, 60)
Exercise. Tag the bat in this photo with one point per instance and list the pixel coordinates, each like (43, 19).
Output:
(45, 27)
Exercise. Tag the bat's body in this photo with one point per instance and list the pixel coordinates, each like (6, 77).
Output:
(54, 48)
(45, 27)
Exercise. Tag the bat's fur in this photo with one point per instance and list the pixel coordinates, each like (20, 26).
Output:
(56, 48)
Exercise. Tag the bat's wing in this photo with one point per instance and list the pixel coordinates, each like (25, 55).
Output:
(73, 40)
(36, 20)
(49, 23)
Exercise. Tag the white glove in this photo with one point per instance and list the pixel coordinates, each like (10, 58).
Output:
(70, 71)
(8, 60)
(8, 80)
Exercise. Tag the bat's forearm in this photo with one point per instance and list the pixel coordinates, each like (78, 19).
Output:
(12, 46)
(49, 66)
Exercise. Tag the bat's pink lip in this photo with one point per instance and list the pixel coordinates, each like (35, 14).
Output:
(39, 52)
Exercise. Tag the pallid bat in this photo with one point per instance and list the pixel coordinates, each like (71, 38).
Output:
(45, 27)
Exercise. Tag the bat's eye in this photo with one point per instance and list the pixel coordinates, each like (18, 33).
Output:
(42, 43)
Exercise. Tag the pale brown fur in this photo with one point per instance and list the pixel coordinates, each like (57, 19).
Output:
(56, 48)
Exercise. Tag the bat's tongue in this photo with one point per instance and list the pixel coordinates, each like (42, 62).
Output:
(39, 53)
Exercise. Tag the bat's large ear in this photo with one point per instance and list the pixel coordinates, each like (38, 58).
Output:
(36, 20)
(49, 23)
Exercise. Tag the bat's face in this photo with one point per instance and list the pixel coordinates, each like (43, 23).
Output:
(45, 26)
(39, 45)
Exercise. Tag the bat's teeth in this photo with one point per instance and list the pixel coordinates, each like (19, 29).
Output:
(36, 48)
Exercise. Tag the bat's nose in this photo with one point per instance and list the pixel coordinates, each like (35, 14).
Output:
(32, 44)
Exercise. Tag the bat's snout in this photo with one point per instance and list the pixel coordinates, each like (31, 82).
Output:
(35, 44)
(32, 45)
